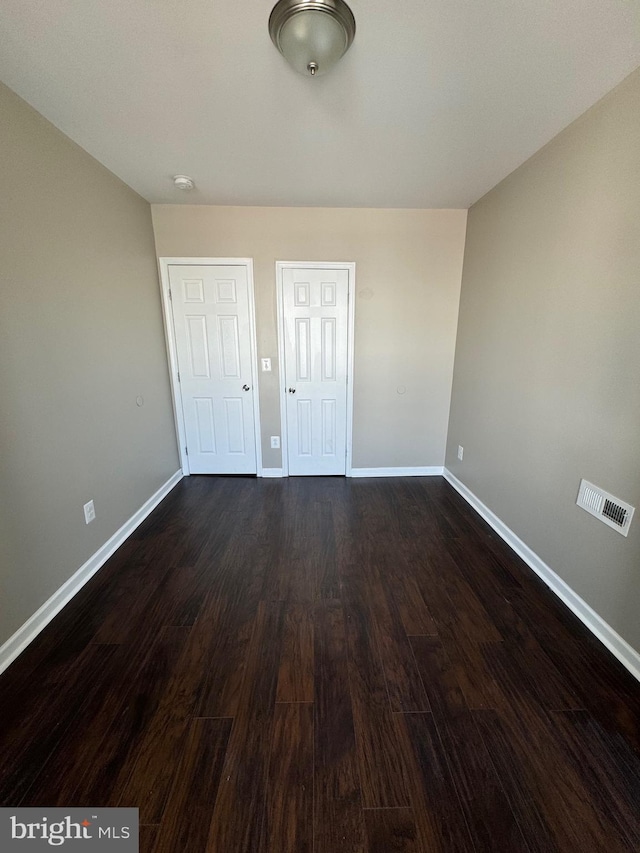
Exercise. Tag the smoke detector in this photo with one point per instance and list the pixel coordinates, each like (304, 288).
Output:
(183, 182)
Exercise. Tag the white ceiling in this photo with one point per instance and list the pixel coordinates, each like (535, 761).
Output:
(435, 102)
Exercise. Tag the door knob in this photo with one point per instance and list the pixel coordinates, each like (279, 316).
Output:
(292, 390)
(246, 388)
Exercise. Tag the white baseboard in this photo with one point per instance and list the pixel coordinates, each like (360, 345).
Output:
(616, 644)
(373, 472)
(397, 472)
(17, 643)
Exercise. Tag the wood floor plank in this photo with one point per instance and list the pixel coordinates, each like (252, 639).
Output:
(391, 831)
(447, 698)
(227, 655)
(288, 821)
(539, 772)
(338, 820)
(415, 615)
(172, 599)
(455, 518)
(55, 650)
(324, 547)
(464, 651)
(145, 780)
(295, 677)
(471, 617)
(608, 768)
(594, 676)
(415, 509)
(382, 772)
(187, 817)
(528, 676)
(436, 805)
(290, 573)
(404, 684)
(147, 838)
(99, 750)
(484, 802)
(344, 546)
(238, 818)
(35, 726)
(515, 779)
(485, 805)
(234, 599)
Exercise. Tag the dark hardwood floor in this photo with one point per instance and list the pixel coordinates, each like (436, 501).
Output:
(326, 666)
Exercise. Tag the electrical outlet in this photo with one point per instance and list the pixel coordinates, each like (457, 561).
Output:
(275, 442)
(460, 452)
(89, 512)
(266, 365)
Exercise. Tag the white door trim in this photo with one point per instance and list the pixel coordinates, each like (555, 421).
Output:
(170, 337)
(317, 265)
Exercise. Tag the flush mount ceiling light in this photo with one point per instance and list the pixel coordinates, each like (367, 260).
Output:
(312, 35)
(183, 182)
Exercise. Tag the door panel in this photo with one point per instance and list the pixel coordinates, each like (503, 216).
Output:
(315, 304)
(210, 305)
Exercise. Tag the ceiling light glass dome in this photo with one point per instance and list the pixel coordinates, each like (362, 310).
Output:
(312, 35)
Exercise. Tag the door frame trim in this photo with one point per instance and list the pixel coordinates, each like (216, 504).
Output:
(350, 267)
(170, 339)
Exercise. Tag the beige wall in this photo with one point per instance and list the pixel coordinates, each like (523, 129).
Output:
(80, 337)
(546, 386)
(409, 265)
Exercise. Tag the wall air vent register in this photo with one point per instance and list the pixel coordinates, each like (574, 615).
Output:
(606, 507)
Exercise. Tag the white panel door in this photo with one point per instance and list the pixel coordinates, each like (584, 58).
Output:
(210, 307)
(315, 307)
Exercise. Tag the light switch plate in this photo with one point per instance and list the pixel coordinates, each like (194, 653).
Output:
(275, 442)
(89, 512)
(266, 365)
